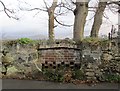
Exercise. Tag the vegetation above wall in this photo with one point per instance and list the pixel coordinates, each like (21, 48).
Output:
(96, 41)
(25, 41)
(89, 40)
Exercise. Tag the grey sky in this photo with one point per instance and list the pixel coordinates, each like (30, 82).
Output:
(30, 25)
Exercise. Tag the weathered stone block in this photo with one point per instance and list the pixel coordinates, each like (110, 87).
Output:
(91, 78)
(11, 70)
(89, 70)
(90, 74)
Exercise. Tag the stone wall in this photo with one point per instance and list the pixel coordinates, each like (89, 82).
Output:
(27, 60)
(23, 59)
(18, 60)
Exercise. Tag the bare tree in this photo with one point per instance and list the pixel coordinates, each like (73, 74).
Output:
(99, 14)
(80, 12)
(52, 16)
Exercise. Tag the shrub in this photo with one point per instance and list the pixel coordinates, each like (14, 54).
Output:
(104, 42)
(78, 74)
(112, 78)
(53, 75)
(90, 40)
(25, 41)
(96, 41)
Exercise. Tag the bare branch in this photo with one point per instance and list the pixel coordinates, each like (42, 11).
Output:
(105, 16)
(71, 9)
(6, 10)
(61, 13)
(93, 10)
(93, 7)
(111, 9)
(91, 18)
(73, 2)
(114, 5)
(34, 9)
(23, 2)
(64, 6)
(36, 13)
(114, 2)
(45, 4)
(62, 23)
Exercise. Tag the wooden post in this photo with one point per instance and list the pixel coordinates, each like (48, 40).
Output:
(109, 36)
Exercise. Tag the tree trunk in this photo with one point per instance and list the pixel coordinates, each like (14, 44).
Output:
(51, 27)
(80, 13)
(98, 19)
(51, 11)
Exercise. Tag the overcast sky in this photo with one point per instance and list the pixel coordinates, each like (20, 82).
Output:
(31, 24)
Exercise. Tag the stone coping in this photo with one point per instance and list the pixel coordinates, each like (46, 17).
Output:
(55, 48)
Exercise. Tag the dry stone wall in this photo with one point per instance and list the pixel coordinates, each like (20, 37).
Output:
(28, 59)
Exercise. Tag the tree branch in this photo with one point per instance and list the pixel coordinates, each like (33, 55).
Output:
(45, 4)
(62, 23)
(34, 9)
(6, 10)
(63, 5)
(114, 2)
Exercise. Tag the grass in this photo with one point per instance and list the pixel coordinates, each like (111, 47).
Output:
(96, 41)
